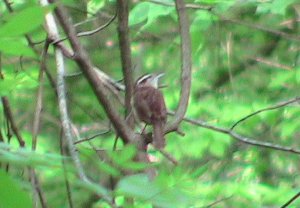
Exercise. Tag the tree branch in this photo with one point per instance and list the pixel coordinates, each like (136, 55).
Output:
(239, 137)
(124, 44)
(52, 29)
(82, 59)
(188, 6)
(91, 32)
(186, 66)
(291, 200)
(10, 118)
(279, 105)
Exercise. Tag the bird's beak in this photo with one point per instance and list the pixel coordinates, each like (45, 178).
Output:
(160, 75)
(155, 80)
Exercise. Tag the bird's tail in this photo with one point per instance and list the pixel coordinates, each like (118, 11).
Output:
(158, 135)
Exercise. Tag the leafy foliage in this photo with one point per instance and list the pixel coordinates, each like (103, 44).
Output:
(245, 58)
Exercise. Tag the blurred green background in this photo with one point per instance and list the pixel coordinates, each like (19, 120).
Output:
(245, 58)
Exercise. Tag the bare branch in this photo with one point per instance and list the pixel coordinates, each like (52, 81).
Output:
(217, 202)
(124, 44)
(272, 64)
(279, 105)
(67, 183)
(82, 59)
(188, 6)
(36, 125)
(39, 102)
(239, 137)
(10, 118)
(92, 137)
(186, 61)
(168, 156)
(91, 32)
(291, 200)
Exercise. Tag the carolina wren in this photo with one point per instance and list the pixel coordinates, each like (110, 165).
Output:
(149, 105)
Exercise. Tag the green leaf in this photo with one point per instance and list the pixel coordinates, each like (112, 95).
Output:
(94, 188)
(137, 186)
(20, 82)
(274, 7)
(125, 155)
(148, 11)
(15, 47)
(11, 194)
(109, 169)
(139, 13)
(141, 187)
(23, 22)
(94, 6)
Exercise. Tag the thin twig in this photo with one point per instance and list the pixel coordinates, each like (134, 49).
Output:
(186, 65)
(91, 32)
(279, 105)
(291, 200)
(272, 64)
(1, 136)
(39, 102)
(239, 137)
(7, 110)
(169, 157)
(67, 183)
(85, 21)
(216, 202)
(10, 118)
(188, 6)
(37, 187)
(36, 125)
(92, 137)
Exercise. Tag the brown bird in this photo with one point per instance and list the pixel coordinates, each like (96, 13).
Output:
(149, 105)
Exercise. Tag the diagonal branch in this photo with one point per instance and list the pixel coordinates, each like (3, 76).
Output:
(10, 118)
(291, 200)
(186, 61)
(82, 59)
(91, 32)
(239, 137)
(279, 105)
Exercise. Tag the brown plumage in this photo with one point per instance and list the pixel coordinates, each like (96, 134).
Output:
(150, 108)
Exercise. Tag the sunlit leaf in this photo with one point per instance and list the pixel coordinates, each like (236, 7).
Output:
(16, 47)
(11, 194)
(23, 22)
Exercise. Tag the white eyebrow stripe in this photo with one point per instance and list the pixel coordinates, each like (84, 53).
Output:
(143, 78)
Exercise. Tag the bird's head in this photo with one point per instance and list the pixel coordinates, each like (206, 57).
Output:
(149, 80)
